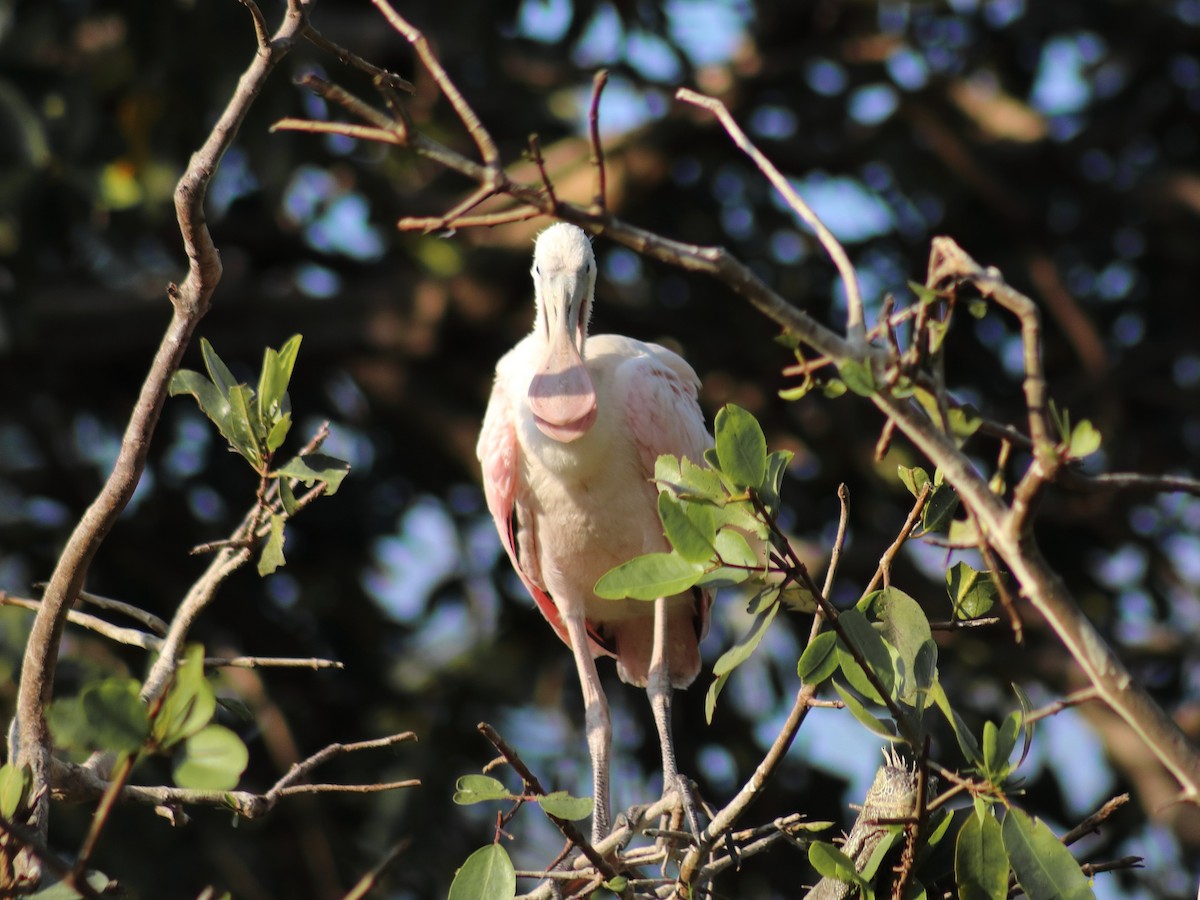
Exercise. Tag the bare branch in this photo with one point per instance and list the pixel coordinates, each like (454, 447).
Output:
(483, 140)
(190, 302)
(600, 201)
(855, 323)
(352, 59)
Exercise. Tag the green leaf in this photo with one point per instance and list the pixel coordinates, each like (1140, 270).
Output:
(860, 712)
(964, 421)
(488, 874)
(1045, 869)
(833, 388)
(271, 557)
(189, 704)
(741, 447)
(217, 370)
(966, 741)
(14, 789)
(287, 497)
(1025, 723)
(904, 625)
(273, 381)
(819, 659)
(998, 745)
(873, 650)
(798, 597)
(279, 432)
(689, 527)
(980, 862)
(913, 478)
(212, 759)
(649, 577)
(210, 400)
(617, 884)
(748, 642)
(108, 715)
(893, 834)
(710, 699)
(972, 592)
(734, 550)
(777, 464)
(858, 377)
(316, 467)
(689, 481)
(244, 425)
(977, 307)
(478, 789)
(830, 862)
(1085, 440)
(562, 805)
(940, 508)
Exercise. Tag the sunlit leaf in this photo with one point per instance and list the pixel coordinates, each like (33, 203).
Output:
(833, 388)
(189, 703)
(830, 862)
(271, 557)
(980, 861)
(858, 377)
(710, 699)
(14, 788)
(798, 597)
(914, 478)
(243, 424)
(1045, 869)
(488, 874)
(212, 759)
(777, 464)
(741, 446)
(210, 400)
(316, 467)
(904, 625)
(107, 715)
(478, 789)
(217, 370)
(1085, 440)
(562, 805)
(690, 527)
(649, 577)
(734, 550)
(972, 593)
(279, 432)
(287, 496)
(273, 380)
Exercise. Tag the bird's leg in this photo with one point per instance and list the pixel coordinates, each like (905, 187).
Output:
(599, 726)
(659, 688)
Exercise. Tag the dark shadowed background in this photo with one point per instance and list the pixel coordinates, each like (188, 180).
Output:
(1057, 141)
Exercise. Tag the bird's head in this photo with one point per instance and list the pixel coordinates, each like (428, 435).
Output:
(561, 394)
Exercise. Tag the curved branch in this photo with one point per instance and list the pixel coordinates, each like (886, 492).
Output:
(190, 301)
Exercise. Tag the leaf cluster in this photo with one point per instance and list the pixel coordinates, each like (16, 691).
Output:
(110, 716)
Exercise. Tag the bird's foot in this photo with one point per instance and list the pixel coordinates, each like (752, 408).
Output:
(681, 821)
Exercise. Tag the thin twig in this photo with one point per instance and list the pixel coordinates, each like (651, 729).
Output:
(371, 879)
(489, 220)
(23, 837)
(600, 200)
(535, 153)
(1092, 822)
(1075, 698)
(483, 140)
(534, 786)
(345, 129)
(883, 570)
(855, 322)
(352, 59)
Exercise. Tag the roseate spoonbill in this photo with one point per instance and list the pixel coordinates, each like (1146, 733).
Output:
(568, 446)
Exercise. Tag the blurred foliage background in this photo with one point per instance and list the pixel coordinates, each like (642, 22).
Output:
(1057, 141)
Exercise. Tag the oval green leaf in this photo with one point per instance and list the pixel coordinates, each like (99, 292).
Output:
(689, 527)
(819, 659)
(980, 861)
(747, 643)
(649, 577)
(478, 789)
(488, 874)
(741, 447)
(562, 805)
(212, 759)
(1045, 869)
